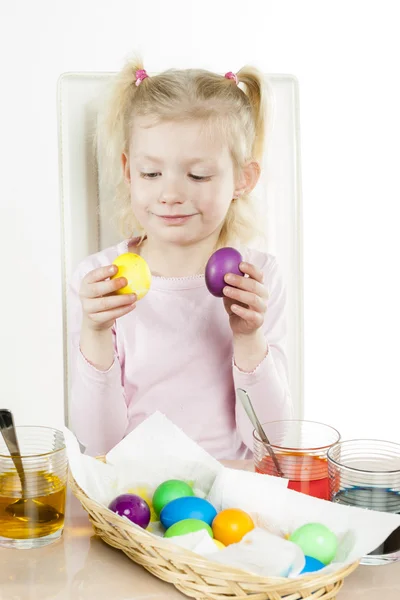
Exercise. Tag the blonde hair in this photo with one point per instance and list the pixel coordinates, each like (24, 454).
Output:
(239, 114)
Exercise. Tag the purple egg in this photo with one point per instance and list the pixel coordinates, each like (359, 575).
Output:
(223, 261)
(133, 507)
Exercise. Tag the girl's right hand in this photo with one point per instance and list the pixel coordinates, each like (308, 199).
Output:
(101, 306)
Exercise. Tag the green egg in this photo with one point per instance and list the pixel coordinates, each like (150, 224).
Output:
(168, 491)
(317, 541)
(187, 526)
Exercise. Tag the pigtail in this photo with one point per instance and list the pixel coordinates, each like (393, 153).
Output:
(256, 89)
(112, 137)
(113, 115)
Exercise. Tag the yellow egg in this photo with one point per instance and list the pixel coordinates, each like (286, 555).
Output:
(136, 270)
(219, 544)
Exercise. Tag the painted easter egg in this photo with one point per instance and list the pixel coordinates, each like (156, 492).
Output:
(231, 524)
(187, 508)
(136, 270)
(144, 493)
(168, 491)
(312, 565)
(133, 507)
(187, 526)
(316, 541)
(223, 261)
(219, 544)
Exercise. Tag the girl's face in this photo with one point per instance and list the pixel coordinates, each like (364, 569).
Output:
(181, 181)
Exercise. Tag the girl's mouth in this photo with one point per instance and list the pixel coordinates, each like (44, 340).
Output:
(175, 219)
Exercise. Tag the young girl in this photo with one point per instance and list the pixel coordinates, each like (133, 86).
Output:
(185, 147)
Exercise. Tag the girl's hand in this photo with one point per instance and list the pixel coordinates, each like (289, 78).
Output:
(245, 300)
(100, 306)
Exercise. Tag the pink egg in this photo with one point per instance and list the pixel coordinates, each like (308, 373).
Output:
(223, 261)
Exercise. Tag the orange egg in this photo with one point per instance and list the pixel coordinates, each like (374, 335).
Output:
(230, 525)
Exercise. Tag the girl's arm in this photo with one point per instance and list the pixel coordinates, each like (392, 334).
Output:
(97, 405)
(268, 384)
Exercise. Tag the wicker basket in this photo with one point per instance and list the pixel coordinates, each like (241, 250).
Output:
(194, 575)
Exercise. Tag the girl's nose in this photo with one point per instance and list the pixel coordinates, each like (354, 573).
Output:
(171, 196)
(171, 191)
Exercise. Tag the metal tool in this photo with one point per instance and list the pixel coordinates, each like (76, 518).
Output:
(248, 407)
(24, 508)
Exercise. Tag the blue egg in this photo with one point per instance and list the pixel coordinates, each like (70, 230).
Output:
(312, 565)
(188, 507)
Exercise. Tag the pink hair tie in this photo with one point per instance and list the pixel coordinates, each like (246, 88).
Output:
(230, 75)
(140, 75)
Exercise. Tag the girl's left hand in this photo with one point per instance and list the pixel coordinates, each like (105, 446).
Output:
(246, 301)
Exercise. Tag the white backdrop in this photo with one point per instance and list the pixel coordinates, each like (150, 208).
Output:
(345, 56)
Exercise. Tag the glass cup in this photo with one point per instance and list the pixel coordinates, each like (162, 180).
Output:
(32, 500)
(366, 474)
(300, 448)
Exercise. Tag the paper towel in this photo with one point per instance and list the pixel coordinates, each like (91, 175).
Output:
(157, 450)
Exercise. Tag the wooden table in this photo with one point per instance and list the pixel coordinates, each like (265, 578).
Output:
(81, 567)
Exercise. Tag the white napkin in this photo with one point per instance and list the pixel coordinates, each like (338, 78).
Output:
(157, 450)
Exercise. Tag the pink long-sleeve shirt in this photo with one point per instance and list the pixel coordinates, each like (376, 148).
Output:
(174, 354)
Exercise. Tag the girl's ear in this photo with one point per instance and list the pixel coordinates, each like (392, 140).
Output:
(248, 179)
(126, 168)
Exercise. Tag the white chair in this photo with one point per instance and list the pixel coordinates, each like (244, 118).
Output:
(85, 232)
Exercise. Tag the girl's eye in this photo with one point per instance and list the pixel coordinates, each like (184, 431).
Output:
(149, 175)
(200, 177)
(194, 177)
